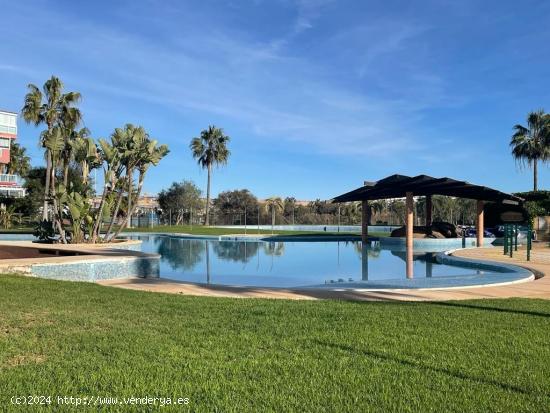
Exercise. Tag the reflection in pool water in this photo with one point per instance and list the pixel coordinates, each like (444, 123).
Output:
(286, 264)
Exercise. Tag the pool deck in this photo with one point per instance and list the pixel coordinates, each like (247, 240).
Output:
(539, 288)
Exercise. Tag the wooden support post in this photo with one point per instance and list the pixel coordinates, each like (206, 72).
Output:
(364, 221)
(409, 233)
(480, 229)
(429, 210)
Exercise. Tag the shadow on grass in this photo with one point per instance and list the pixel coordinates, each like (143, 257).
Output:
(487, 308)
(417, 365)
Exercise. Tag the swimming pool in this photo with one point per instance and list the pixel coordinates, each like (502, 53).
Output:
(291, 264)
(303, 262)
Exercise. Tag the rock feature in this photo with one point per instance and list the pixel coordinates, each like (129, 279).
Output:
(439, 230)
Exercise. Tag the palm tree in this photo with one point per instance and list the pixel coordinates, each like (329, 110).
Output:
(137, 151)
(83, 151)
(6, 216)
(53, 108)
(274, 204)
(376, 207)
(532, 143)
(20, 163)
(209, 149)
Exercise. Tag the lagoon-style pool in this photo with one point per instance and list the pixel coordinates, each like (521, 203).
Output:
(255, 263)
(305, 263)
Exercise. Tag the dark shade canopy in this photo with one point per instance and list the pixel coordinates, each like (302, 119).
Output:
(396, 186)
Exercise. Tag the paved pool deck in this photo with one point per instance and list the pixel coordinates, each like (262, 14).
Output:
(539, 288)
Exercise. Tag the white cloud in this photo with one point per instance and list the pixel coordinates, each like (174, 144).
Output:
(256, 84)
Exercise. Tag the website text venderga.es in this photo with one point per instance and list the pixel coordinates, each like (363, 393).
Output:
(99, 400)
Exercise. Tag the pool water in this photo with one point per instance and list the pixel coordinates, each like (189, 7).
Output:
(288, 264)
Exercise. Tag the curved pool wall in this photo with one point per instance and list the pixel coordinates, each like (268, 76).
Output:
(80, 262)
(99, 269)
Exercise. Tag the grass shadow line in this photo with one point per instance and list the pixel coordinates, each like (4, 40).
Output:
(417, 365)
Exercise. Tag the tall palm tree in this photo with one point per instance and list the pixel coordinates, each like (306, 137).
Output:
(531, 143)
(20, 163)
(52, 107)
(209, 149)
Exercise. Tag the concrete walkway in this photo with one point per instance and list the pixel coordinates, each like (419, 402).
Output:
(540, 288)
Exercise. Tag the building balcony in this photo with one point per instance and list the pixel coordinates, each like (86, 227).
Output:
(10, 186)
(9, 180)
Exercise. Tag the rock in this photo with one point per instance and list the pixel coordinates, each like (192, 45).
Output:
(437, 230)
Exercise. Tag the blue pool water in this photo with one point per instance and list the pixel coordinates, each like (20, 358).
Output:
(289, 264)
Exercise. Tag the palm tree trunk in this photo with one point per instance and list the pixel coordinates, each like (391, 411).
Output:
(57, 207)
(47, 186)
(85, 172)
(99, 218)
(129, 214)
(65, 173)
(130, 210)
(58, 220)
(207, 219)
(535, 175)
(114, 215)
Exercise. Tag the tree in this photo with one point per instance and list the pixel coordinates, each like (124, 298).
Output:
(290, 208)
(55, 109)
(82, 150)
(375, 207)
(35, 181)
(531, 143)
(181, 198)
(351, 211)
(20, 163)
(137, 153)
(397, 208)
(130, 151)
(210, 149)
(237, 201)
(7, 215)
(274, 205)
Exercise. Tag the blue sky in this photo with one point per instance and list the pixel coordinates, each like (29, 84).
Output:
(317, 95)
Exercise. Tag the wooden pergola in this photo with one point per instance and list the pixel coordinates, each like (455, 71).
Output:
(401, 186)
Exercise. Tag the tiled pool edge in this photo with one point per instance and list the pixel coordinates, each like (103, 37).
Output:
(90, 263)
(143, 266)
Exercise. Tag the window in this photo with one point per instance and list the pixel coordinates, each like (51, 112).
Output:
(4, 143)
(8, 119)
(8, 129)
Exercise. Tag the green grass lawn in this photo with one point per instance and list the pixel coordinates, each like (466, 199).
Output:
(80, 339)
(202, 230)
(17, 229)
